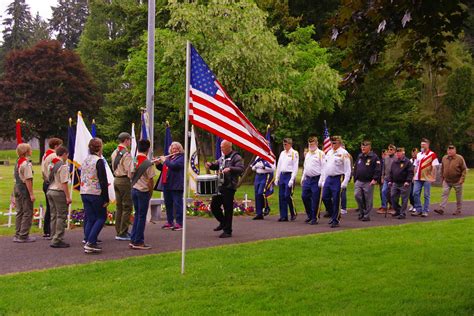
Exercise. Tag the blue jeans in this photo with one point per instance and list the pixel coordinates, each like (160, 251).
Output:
(418, 185)
(332, 197)
(285, 195)
(96, 215)
(141, 201)
(173, 203)
(385, 194)
(310, 196)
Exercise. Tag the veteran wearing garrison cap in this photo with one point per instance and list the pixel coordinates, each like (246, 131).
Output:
(367, 171)
(336, 175)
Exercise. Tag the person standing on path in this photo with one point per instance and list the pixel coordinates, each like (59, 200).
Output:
(367, 171)
(49, 155)
(425, 173)
(24, 196)
(121, 163)
(285, 177)
(400, 181)
(58, 196)
(453, 174)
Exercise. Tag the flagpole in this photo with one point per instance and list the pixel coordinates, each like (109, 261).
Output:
(150, 83)
(186, 150)
(69, 209)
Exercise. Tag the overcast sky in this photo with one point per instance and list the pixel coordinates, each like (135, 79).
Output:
(41, 6)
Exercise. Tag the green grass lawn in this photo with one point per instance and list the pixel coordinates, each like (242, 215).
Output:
(411, 269)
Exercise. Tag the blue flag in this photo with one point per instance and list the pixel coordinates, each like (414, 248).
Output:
(168, 139)
(93, 129)
(268, 136)
(144, 130)
(218, 147)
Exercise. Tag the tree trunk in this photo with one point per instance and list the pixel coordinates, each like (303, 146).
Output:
(42, 145)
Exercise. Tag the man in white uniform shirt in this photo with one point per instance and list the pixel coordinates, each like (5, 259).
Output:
(336, 175)
(312, 168)
(285, 177)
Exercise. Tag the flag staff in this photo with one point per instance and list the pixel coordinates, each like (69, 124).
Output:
(186, 149)
(69, 209)
(150, 74)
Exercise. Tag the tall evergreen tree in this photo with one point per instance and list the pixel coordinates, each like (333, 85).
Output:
(17, 26)
(40, 30)
(68, 20)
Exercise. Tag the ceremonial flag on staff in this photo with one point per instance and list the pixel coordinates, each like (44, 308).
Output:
(168, 139)
(19, 139)
(71, 140)
(218, 147)
(269, 185)
(211, 108)
(81, 151)
(193, 162)
(133, 146)
(327, 139)
(93, 129)
(144, 129)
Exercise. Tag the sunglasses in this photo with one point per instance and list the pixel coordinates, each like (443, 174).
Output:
(451, 147)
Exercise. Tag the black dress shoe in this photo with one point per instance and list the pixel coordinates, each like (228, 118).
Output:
(218, 228)
(366, 219)
(330, 221)
(307, 220)
(395, 214)
(327, 215)
(258, 217)
(361, 216)
(225, 235)
(293, 217)
(334, 224)
(313, 222)
(283, 219)
(401, 216)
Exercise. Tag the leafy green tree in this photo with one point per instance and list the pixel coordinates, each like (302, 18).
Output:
(272, 84)
(44, 85)
(424, 26)
(67, 21)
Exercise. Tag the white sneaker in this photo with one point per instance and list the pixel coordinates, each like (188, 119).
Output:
(343, 211)
(410, 208)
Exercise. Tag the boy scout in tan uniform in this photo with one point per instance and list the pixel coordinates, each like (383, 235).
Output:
(24, 196)
(121, 164)
(58, 197)
(49, 155)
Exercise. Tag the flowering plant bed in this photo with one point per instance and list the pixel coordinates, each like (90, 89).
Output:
(201, 208)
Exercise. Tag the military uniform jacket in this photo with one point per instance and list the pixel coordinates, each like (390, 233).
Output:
(367, 167)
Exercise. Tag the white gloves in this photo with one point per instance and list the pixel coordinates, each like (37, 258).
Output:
(290, 183)
(321, 184)
(258, 165)
(343, 185)
(275, 182)
(302, 180)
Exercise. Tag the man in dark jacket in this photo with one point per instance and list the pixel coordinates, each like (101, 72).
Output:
(367, 171)
(399, 179)
(230, 166)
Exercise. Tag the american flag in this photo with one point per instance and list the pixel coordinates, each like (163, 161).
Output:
(327, 139)
(212, 109)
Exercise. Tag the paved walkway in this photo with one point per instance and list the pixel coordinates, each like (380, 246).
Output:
(16, 257)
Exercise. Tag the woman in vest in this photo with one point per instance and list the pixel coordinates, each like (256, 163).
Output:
(172, 178)
(94, 194)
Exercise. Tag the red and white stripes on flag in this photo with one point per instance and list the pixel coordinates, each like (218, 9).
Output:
(327, 140)
(211, 108)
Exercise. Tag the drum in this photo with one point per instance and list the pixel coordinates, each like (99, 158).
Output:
(207, 184)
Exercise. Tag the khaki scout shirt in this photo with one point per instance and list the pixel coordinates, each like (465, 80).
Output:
(25, 171)
(45, 166)
(124, 165)
(142, 183)
(61, 176)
